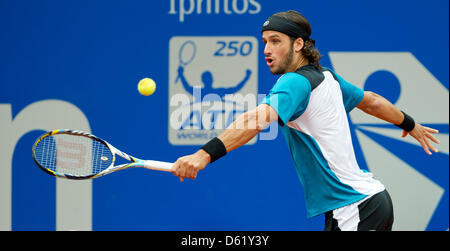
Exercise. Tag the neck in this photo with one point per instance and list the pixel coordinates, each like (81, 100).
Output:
(299, 63)
(302, 62)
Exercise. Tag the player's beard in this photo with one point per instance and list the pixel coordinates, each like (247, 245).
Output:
(285, 63)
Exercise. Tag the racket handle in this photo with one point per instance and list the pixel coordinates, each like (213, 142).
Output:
(158, 165)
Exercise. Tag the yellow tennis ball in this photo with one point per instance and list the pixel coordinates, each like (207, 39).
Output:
(147, 86)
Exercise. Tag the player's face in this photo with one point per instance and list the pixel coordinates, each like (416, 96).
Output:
(278, 51)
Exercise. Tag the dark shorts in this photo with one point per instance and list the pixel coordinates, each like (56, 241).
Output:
(373, 214)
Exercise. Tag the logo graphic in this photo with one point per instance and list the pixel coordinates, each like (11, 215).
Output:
(418, 183)
(212, 80)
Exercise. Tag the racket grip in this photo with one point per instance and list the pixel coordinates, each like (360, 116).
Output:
(158, 165)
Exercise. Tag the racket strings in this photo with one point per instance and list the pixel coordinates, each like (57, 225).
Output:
(74, 155)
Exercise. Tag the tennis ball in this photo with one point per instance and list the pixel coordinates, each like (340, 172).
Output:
(146, 86)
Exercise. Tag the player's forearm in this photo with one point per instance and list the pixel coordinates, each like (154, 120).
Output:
(381, 108)
(241, 131)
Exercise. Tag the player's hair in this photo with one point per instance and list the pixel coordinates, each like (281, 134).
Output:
(309, 51)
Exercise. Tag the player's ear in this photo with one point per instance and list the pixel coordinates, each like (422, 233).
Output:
(298, 44)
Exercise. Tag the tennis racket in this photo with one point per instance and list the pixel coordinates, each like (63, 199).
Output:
(79, 155)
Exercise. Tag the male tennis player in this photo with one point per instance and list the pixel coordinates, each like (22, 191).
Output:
(311, 105)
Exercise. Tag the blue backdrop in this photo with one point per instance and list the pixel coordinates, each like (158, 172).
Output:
(90, 55)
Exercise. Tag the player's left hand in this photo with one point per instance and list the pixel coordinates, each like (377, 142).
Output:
(423, 135)
(189, 165)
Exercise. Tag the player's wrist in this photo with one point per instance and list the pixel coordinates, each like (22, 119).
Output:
(204, 156)
(408, 123)
(215, 149)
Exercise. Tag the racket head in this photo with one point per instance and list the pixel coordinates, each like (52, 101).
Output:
(72, 154)
(187, 52)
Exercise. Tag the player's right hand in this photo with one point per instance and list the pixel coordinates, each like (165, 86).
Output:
(189, 165)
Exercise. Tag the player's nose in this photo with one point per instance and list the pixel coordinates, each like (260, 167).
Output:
(267, 50)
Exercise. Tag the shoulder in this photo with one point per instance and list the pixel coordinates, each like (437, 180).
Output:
(292, 80)
(291, 76)
(313, 74)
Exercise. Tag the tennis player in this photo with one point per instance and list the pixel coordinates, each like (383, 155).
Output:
(311, 103)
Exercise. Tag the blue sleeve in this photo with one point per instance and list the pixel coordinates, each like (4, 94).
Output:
(289, 97)
(351, 94)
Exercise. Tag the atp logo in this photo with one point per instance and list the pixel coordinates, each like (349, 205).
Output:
(212, 80)
(418, 183)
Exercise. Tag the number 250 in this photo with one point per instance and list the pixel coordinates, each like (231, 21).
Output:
(232, 48)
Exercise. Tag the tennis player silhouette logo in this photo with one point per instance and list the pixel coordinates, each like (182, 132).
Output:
(186, 55)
